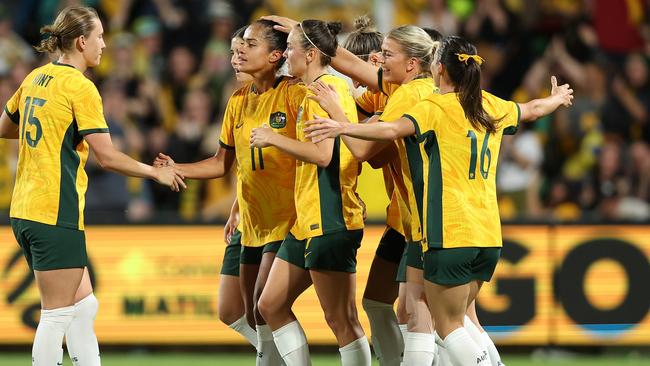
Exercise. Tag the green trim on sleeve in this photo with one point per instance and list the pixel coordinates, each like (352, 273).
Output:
(363, 111)
(415, 124)
(511, 130)
(380, 81)
(93, 130)
(226, 146)
(14, 117)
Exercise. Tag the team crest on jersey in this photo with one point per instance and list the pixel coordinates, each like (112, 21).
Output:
(278, 120)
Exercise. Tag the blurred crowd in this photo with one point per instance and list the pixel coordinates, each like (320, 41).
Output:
(166, 76)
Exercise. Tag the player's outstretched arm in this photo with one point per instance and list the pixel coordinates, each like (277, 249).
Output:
(323, 128)
(215, 166)
(316, 153)
(537, 108)
(110, 158)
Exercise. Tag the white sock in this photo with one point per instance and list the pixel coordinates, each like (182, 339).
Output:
(48, 340)
(356, 353)
(442, 356)
(475, 333)
(267, 353)
(80, 336)
(495, 357)
(291, 343)
(241, 326)
(403, 328)
(419, 349)
(463, 351)
(385, 333)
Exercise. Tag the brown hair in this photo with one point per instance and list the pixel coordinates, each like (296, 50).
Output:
(365, 39)
(466, 78)
(322, 36)
(72, 22)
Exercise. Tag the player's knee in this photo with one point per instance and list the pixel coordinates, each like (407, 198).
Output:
(266, 308)
(87, 307)
(229, 314)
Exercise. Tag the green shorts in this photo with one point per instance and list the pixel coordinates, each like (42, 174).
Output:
(329, 252)
(391, 246)
(48, 247)
(412, 257)
(253, 255)
(230, 265)
(459, 266)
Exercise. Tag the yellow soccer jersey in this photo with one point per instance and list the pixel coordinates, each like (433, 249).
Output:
(265, 177)
(55, 106)
(411, 155)
(460, 208)
(325, 197)
(376, 102)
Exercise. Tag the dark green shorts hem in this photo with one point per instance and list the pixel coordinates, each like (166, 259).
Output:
(411, 257)
(329, 252)
(459, 266)
(49, 247)
(253, 255)
(230, 265)
(391, 246)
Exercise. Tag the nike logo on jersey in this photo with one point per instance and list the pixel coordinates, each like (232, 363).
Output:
(238, 125)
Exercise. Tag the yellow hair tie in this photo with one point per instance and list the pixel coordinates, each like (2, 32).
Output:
(463, 57)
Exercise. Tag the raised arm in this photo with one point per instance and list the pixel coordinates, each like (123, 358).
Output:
(215, 166)
(344, 61)
(323, 128)
(319, 153)
(537, 108)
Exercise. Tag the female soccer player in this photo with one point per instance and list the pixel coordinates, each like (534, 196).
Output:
(265, 178)
(57, 114)
(460, 183)
(231, 304)
(382, 288)
(404, 76)
(322, 246)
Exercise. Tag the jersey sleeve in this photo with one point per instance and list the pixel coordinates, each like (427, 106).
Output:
(512, 118)
(88, 110)
(425, 117)
(227, 136)
(397, 104)
(12, 107)
(366, 104)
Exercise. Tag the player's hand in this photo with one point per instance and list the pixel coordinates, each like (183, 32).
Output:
(163, 160)
(285, 24)
(320, 129)
(326, 96)
(563, 93)
(231, 225)
(170, 177)
(262, 136)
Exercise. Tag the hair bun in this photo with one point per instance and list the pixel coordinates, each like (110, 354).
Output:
(334, 27)
(363, 24)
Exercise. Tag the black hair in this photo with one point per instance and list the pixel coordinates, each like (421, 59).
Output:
(466, 78)
(276, 39)
(321, 35)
